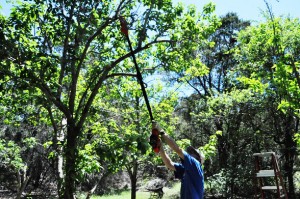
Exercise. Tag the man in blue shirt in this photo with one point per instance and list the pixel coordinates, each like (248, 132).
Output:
(189, 171)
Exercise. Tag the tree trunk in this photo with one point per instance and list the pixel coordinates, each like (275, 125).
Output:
(22, 182)
(223, 151)
(222, 145)
(290, 153)
(60, 136)
(133, 178)
(289, 165)
(70, 166)
(90, 193)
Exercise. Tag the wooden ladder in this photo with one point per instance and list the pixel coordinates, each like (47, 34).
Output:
(266, 171)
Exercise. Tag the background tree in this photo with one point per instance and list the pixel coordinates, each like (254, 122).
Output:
(268, 59)
(125, 142)
(217, 105)
(24, 162)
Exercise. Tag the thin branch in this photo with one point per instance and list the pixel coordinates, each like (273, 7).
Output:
(65, 49)
(144, 31)
(296, 72)
(121, 74)
(104, 77)
(273, 26)
(191, 85)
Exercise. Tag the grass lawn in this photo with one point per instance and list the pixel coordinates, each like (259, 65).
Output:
(297, 181)
(169, 193)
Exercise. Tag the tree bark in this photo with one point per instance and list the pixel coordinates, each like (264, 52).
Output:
(90, 193)
(22, 182)
(70, 166)
(289, 164)
(133, 178)
(60, 136)
(290, 153)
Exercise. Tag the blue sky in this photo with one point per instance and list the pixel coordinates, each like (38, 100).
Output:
(4, 7)
(246, 9)
(251, 9)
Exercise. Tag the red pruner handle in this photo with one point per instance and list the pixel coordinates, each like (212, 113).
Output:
(156, 150)
(124, 28)
(154, 140)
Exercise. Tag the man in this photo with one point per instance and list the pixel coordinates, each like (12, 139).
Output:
(189, 171)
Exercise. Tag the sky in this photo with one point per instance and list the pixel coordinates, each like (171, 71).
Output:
(4, 8)
(250, 9)
(246, 9)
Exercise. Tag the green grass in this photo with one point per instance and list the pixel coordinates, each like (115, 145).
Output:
(169, 193)
(297, 180)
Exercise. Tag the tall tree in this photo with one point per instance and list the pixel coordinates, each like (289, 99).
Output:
(217, 105)
(269, 57)
(69, 49)
(127, 136)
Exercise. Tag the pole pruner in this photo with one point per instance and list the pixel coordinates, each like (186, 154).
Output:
(154, 138)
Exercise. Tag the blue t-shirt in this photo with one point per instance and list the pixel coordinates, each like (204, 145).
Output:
(192, 180)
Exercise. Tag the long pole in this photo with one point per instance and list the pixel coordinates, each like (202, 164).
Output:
(124, 30)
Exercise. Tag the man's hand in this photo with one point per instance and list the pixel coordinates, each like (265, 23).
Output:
(154, 142)
(155, 125)
(172, 144)
(166, 159)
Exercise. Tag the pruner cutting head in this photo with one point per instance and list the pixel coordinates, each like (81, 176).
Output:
(124, 28)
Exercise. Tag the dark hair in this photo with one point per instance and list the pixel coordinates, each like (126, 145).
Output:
(196, 154)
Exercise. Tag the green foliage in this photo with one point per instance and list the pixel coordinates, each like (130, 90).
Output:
(196, 70)
(30, 142)
(255, 85)
(188, 35)
(10, 154)
(210, 149)
(183, 143)
(125, 141)
(216, 184)
(270, 52)
(88, 161)
(225, 104)
(297, 139)
(64, 59)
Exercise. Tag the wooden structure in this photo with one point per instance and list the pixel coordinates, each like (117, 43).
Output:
(267, 171)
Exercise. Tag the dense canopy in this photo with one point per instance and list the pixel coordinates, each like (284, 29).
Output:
(72, 110)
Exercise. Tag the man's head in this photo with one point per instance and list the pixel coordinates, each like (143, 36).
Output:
(195, 153)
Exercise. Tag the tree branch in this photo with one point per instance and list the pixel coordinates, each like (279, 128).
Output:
(120, 74)
(65, 49)
(104, 75)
